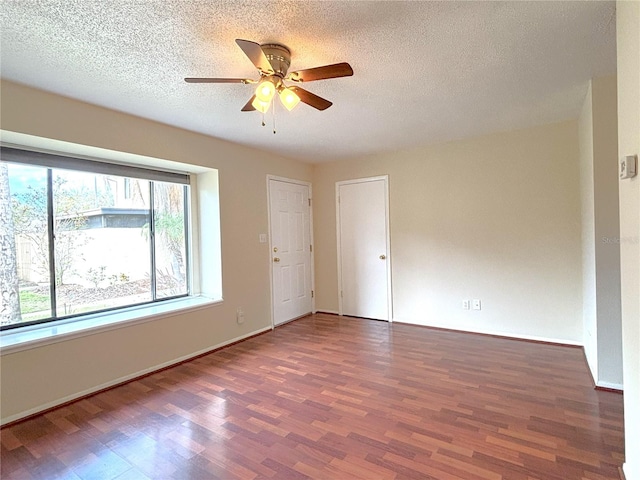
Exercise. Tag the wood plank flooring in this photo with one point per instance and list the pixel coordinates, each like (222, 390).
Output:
(326, 397)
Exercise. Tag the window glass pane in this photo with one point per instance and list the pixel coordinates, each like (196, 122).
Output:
(24, 264)
(169, 219)
(102, 250)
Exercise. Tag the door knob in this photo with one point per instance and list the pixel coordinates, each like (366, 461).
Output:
(382, 257)
(276, 259)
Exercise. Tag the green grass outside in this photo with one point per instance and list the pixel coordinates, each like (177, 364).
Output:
(35, 306)
(33, 302)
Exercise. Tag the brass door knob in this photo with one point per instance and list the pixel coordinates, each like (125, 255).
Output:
(382, 257)
(276, 259)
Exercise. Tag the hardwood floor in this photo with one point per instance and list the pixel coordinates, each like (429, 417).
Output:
(326, 397)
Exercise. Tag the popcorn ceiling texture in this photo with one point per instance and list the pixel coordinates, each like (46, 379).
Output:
(425, 72)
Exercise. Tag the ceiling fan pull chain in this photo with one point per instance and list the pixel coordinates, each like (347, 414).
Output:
(274, 117)
(263, 124)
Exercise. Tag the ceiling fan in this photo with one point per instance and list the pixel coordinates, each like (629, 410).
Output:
(272, 61)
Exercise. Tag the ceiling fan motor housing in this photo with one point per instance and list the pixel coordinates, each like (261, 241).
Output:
(279, 57)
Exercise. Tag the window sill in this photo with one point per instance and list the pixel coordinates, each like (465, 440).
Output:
(12, 341)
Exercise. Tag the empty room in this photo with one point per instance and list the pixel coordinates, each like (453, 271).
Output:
(319, 240)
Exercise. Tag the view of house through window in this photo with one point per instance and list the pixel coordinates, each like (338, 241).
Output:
(85, 242)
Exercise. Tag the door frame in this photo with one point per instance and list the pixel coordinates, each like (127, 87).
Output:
(312, 259)
(385, 178)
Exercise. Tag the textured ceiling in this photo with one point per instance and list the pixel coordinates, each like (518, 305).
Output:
(425, 72)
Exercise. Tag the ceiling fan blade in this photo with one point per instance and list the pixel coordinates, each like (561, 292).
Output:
(218, 80)
(311, 98)
(248, 107)
(256, 55)
(320, 73)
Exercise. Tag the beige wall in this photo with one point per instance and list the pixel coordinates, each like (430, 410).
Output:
(598, 134)
(41, 376)
(587, 201)
(628, 41)
(607, 212)
(495, 218)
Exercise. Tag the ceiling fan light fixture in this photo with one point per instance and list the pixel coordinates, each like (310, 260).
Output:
(265, 91)
(272, 61)
(259, 105)
(289, 98)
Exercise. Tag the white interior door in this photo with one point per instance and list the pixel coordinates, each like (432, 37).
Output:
(289, 209)
(363, 246)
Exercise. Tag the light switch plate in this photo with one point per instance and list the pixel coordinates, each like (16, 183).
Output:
(628, 167)
(262, 238)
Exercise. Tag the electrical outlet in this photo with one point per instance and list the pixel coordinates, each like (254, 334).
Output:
(262, 238)
(239, 315)
(476, 304)
(466, 304)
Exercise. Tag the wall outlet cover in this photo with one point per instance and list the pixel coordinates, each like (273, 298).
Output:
(477, 305)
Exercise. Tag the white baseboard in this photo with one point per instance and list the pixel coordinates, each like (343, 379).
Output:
(331, 312)
(126, 378)
(613, 386)
(519, 336)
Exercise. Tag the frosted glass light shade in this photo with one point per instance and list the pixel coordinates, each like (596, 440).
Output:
(289, 98)
(259, 105)
(265, 91)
